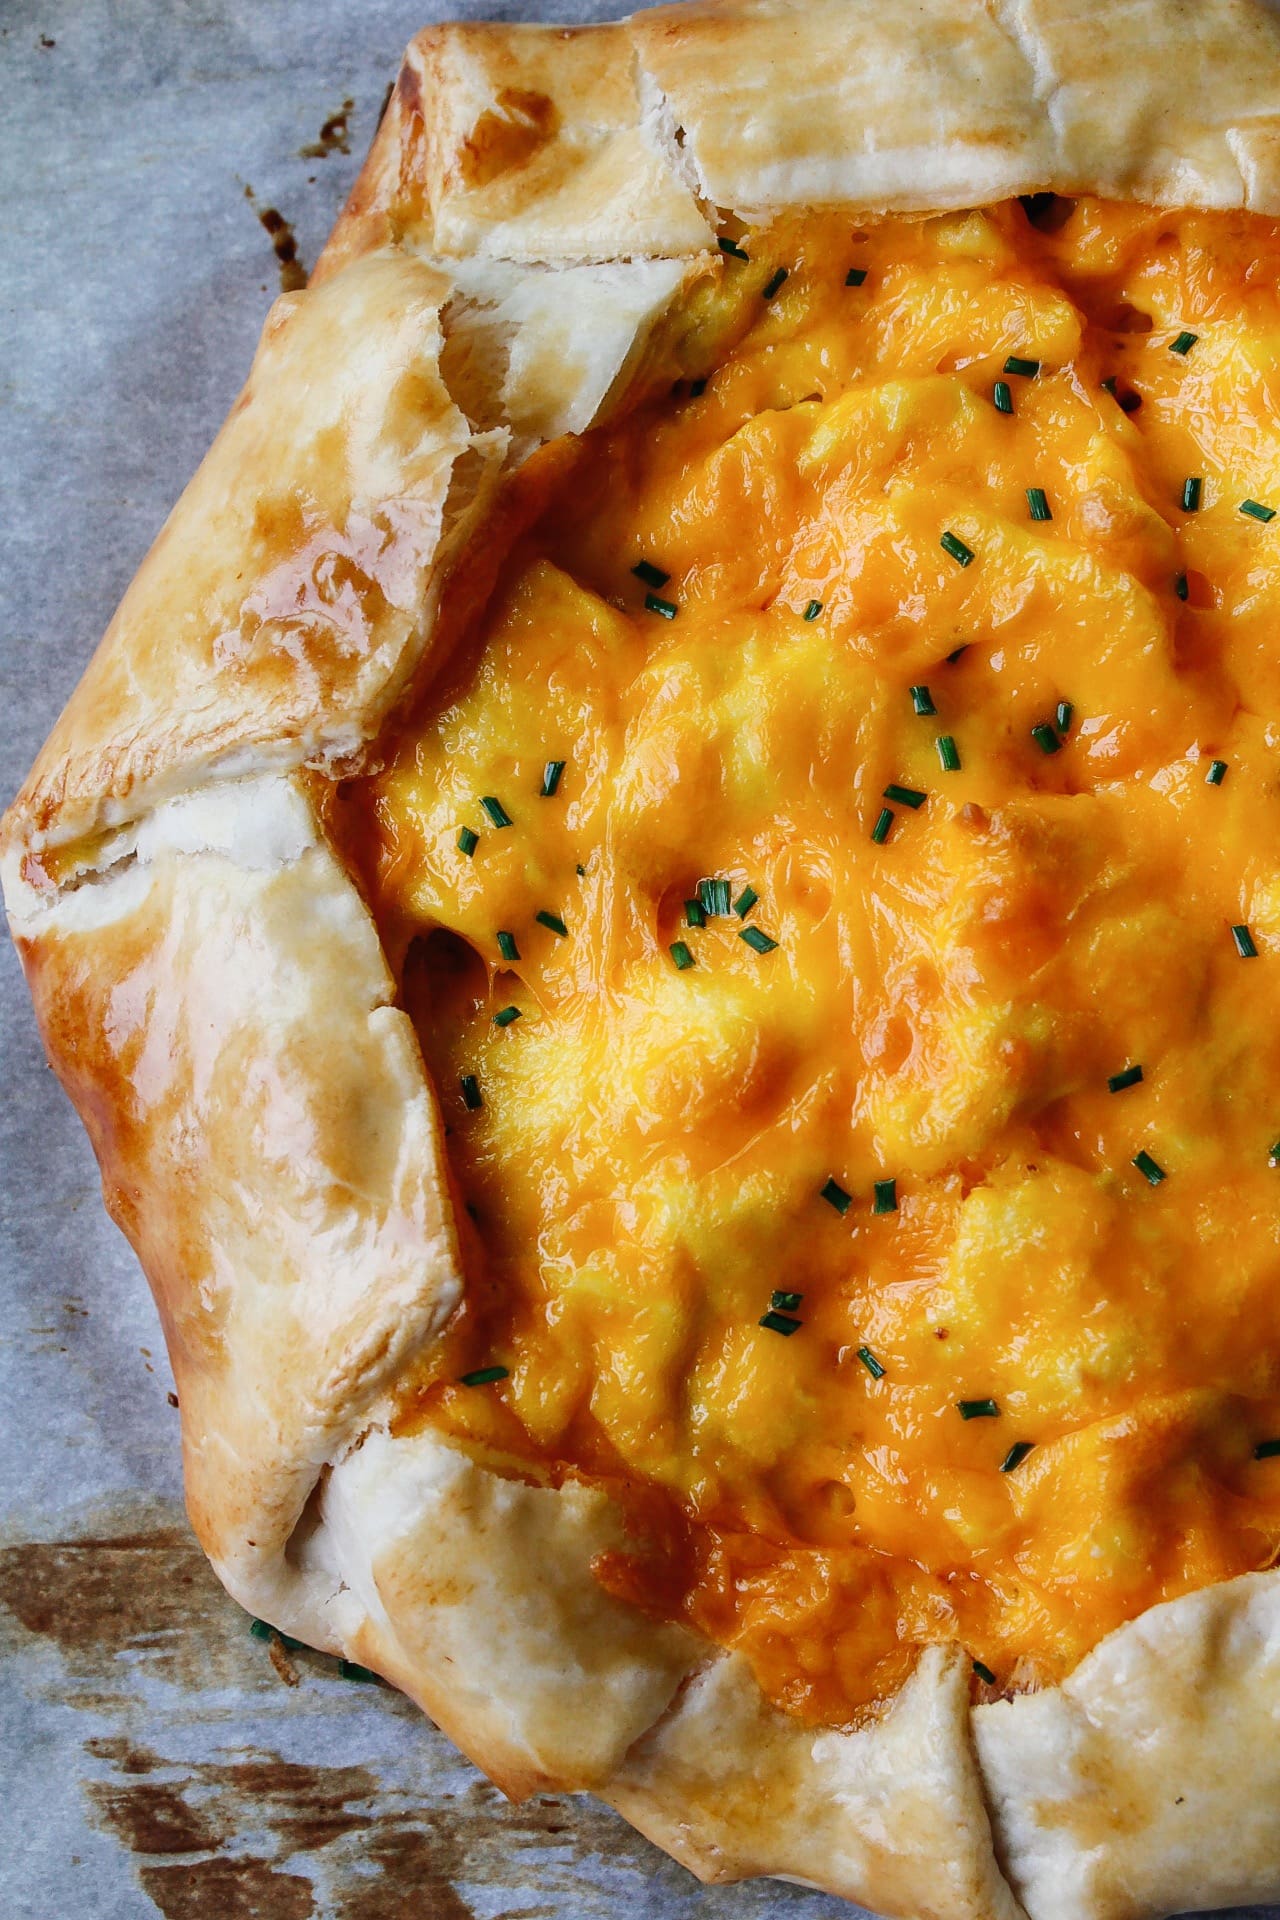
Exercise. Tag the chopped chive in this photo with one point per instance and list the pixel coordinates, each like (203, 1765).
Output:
(870, 1362)
(948, 753)
(471, 1096)
(352, 1670)
(482, 1376)
(1045, 738)
(758, 941)
(550, 778)
(977, 1409)
(855, 276)
(263, 1630)
(1184, 343)
(1192, 487)
(693, 914)
(1180, 585)
(922, 700)
(1038, 503)
(886, 1197)
(667, 608)
(1256, 511)
(1109, 385)
(1267, 1450)
(505, 1016)
(1027, 368)
(552, 922)
(1151, 1170)
(651, 576)
(984, 1673)
(835, 1196)
(1066, 714)
(905, 796)
(681, 955)
(1002, 395)
(786, 1302)
(1130, 1077)
(1016, 1455)
(714, 895)
(580, 870)
(772, 284)
(468, 841)
(812, 611)
(1273, 1158)
(745, 901)
(952, 543)
(732, 248)
(957, 653)
(507, 946)
(1244, 943)
(1217, 773)
(884, 821)
(697, 388)
(498, 815)
(779, 1323)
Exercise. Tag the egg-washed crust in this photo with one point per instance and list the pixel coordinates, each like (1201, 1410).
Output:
(214, 995)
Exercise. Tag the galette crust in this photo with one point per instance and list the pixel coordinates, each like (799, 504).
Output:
(214, 995)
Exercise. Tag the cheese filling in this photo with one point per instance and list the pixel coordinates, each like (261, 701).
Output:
(840, 887)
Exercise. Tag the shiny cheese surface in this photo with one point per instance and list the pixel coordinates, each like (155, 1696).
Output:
(1024, 1355)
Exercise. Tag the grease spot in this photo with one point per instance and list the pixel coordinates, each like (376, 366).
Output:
(334, 135)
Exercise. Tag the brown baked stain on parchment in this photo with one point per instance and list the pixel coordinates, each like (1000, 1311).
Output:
(335, 135)
(284, 244)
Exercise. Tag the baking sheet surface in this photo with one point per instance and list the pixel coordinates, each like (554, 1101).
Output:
(157, 1757)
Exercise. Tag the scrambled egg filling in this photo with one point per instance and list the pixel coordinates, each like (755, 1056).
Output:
(842, 903)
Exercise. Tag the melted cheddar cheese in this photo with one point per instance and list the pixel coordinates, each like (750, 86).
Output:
(835, 1230)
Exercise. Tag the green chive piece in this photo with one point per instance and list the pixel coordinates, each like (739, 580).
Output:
(550, 778)
(507, 946)
(1002, 395)
(1109, 385)
(714, 895)
(870, 1362)
(553, 923)
(884, 821)
(779, 1323)
(812, 611)
(855, 276)
(951, 543)
(1027, 368)
(1184, 343)
(483, 1376)
(1244, 943)
(1267, 1450)
(977, 1409)
(785, 1302)
(1273, 1158)
(957, 653)
(498, 815)
(732, 248)
(506, 1016)
(1016, 1455)
(471, 1096)
(886, 1197)
(667, 608)
(1131, 1077)
(1192, 488)
(580, 870)
(1217, 773)
(1180, 585)
(1151, 1170)
(745, 901)
(1045, 738)
(1038, 502)
(468, 841)
(984, 1673)
(1256, 511)
(758, 941)
(697, 388)
(693, 914)
(835, 1196)
(352, 1670)
(905, 796)
(261, 1629)
(680, 954)
(772, 284)
(922, 700)
(948, 753)
(652, 576)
